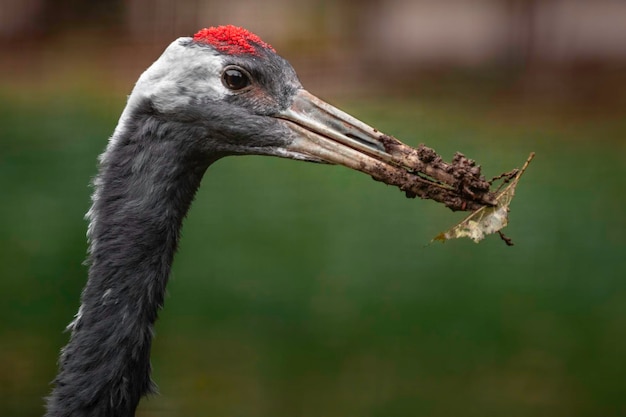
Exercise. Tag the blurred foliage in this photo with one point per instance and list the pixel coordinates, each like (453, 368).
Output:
(306, 290)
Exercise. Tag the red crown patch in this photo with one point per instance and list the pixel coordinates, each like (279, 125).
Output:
(230, 39)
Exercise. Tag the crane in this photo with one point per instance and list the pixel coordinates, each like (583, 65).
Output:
(221, 92)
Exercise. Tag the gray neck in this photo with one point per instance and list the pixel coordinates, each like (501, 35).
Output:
(147, 180)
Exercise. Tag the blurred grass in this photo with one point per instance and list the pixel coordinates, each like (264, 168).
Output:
(304, 290)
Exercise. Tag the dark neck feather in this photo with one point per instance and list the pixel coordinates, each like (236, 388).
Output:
(147, 181)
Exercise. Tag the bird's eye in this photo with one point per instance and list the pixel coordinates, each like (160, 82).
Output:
(235, 79)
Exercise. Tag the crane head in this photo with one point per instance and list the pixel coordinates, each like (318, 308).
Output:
(226, 92)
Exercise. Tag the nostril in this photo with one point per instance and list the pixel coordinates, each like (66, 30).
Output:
(366, 141)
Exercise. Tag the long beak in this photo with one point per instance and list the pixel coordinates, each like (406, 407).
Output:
(326, 133)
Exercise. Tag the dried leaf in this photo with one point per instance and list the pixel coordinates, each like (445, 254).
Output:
(487, 219)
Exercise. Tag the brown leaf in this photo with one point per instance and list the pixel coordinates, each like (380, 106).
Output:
(487, 219)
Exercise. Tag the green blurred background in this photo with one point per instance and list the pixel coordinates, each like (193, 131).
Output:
(305, 290)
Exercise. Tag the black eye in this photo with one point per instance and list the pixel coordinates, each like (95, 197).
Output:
(235, 79)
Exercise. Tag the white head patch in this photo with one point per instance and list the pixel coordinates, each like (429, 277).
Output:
(180, 68)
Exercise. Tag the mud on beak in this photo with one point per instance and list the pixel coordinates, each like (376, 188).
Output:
(325, 133)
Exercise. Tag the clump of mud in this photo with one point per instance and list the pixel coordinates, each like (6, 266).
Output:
(458, 184)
